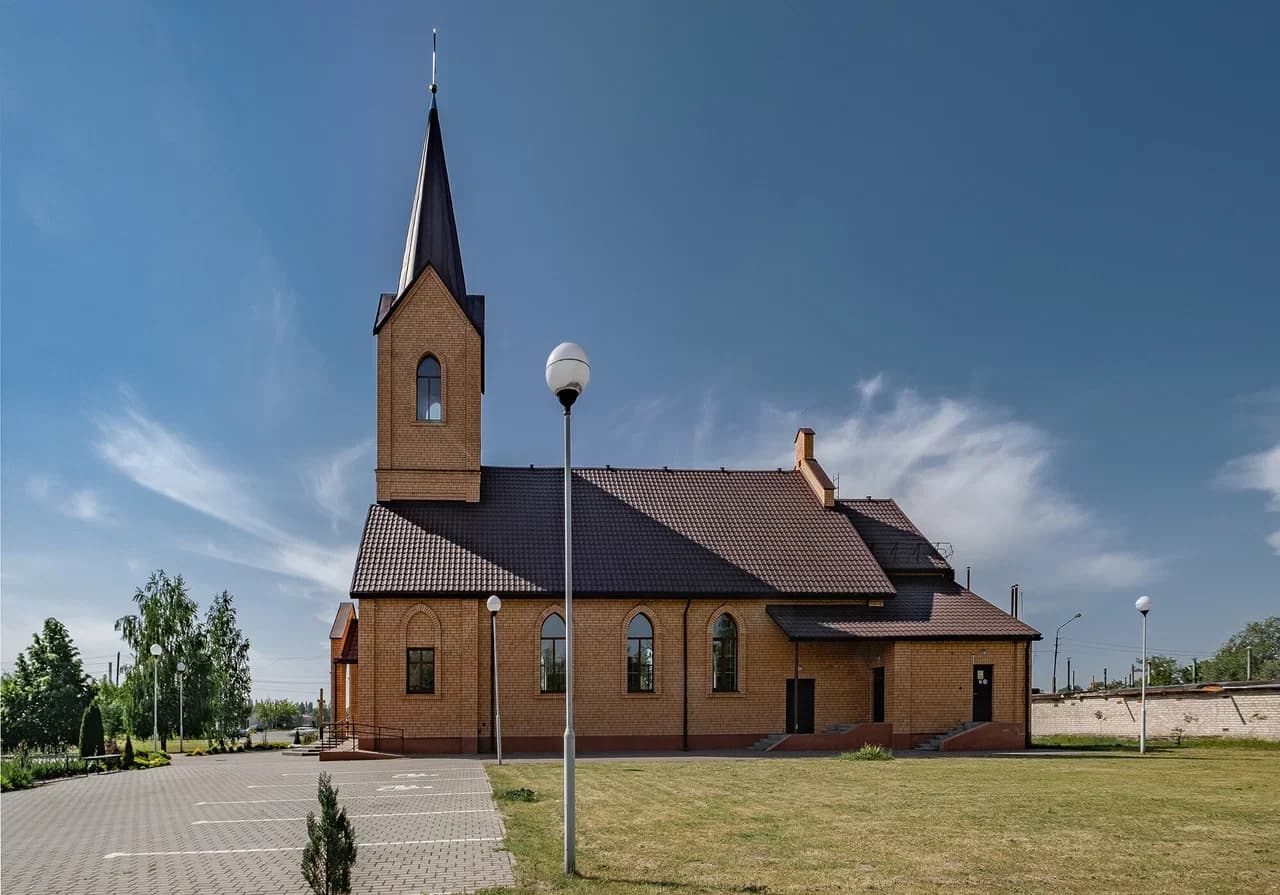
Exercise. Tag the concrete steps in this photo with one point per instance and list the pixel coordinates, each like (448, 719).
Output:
(935, 744)
(766, 744)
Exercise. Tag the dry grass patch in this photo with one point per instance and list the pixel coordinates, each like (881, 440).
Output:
(1190, 820)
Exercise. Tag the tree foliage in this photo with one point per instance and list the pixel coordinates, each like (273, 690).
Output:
(229, 680)
(277, 712)
(42, 702)
(330, 852)
(166, 615)
(92, 741)
(1229, 663)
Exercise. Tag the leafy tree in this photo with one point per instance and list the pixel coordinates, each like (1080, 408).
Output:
(91, 739)
(228, 676)
(42, 702)
(166, 615)
(111, 702)
(330, 852)
(1228, 664)
(276, 712)
(1165, 670)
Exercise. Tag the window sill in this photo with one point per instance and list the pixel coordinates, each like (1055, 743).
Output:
(640, 694)
(428, 423)
(726, 694)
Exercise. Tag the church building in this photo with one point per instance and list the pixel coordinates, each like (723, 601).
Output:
(713, 608)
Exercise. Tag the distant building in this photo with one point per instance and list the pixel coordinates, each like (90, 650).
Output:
(715, 607)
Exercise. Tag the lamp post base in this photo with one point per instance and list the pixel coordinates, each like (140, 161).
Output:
(570, 812)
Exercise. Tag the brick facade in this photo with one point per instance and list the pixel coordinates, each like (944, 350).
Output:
(928, 683)
(428, 460)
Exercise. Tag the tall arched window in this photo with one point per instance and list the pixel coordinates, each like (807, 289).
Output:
(429, 406)
(724, 655)
(553, 654)
(640, 655)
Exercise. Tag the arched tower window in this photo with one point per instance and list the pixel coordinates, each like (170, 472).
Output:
(429, 404)
(640, 655)
(724, 655)
(553, 654)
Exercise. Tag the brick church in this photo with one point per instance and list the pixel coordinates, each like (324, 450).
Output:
(713, 608)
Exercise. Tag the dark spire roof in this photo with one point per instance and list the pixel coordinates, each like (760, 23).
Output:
(433, 235)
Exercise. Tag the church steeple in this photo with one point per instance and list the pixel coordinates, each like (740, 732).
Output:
(433, 235)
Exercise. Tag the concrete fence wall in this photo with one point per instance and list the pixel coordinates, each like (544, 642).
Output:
(1253, 713)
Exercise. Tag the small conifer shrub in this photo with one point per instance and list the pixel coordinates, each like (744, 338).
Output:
(331, 845)
(127, 761)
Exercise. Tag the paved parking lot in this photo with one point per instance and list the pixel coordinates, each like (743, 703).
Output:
(232, 824)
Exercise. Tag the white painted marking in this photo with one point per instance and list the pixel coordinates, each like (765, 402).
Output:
(400, 787)
(406, 776)
(406, 795)
(297, 785)
(271, 820)
(375, 771)
(243, 851)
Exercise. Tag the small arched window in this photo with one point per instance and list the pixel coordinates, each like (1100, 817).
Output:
(640, 655)
(553, 654)
(429, 406)
(724, 655)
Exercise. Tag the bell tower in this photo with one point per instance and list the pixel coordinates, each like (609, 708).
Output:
(430, 351)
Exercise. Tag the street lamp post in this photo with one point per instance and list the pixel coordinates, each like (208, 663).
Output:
(1143, 605)
(155, 696)
(567, 373)
(494, 604)
(182, 672)
(1054, 685)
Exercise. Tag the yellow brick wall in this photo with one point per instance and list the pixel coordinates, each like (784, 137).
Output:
(930, 686)
(928, 683)
(428, 460)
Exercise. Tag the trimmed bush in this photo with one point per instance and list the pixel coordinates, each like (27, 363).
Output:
(127, 761)
(91, 737)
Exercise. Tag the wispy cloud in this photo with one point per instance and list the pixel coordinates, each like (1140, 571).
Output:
(966, 473)
(1256, 472)
(163, 461)
(329, 481)
(84, 505)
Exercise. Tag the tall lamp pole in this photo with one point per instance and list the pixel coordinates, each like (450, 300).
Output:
(494, 604)
(1055, 649)
(182, 672)
(155, 696)
(1143, 605)
(567, 373)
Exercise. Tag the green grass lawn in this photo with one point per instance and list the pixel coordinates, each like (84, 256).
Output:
(1177, 820)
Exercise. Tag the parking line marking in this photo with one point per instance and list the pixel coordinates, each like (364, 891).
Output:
(268, 820)
(404, 795)
(242, 851)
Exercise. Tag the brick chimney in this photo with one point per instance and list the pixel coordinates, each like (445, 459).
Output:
(812, 471)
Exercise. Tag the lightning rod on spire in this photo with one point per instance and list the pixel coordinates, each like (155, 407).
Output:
(433, 61)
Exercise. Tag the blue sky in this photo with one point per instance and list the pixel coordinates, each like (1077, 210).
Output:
(1016, 264)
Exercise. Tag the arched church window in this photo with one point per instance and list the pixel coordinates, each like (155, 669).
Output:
(724, 655)
(553, 666)
(640, 655)
(429, 404)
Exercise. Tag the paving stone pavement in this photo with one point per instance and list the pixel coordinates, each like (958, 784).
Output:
(235, 824)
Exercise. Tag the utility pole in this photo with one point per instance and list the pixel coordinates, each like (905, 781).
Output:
(1105, 679)
(1055, 649)
(1069, 673)
(1248, 663)
(1195, 670)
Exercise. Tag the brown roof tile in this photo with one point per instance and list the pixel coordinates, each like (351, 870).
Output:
(923, 608)
(893, 538)
(636, 531)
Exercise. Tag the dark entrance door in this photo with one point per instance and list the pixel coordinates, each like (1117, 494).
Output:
(877, 695)
(804, 704)
(982, 692)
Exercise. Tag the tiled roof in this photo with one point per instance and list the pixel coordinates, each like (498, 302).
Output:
(929, 608)
(894, 540)
(636, 531)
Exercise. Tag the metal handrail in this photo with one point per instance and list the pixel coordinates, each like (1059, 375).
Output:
(335, 733)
